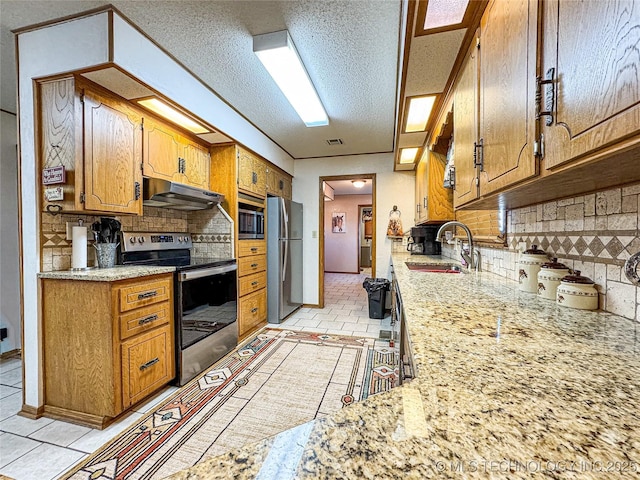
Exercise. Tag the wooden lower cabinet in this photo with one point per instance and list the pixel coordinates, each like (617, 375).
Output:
(252, 286)
(252, 311)
(106, 345)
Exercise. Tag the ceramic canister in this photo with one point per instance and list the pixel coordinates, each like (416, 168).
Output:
(549, 277)
(529, 266)
(576, 291)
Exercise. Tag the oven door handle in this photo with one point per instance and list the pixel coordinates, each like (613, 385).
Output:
(206, 272)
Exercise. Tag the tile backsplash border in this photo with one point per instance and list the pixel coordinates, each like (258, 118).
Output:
(593, 233)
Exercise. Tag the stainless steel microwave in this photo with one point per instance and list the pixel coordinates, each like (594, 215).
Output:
(250, 224)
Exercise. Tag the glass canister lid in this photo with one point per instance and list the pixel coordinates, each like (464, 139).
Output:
(534, 250)
(577, 278)
(553, 264)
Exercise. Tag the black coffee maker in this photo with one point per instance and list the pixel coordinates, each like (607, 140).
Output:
(423, 241)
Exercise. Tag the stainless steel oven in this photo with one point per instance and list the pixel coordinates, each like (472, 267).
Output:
(250, 224)
(205, 297)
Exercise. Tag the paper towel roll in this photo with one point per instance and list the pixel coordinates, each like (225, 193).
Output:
(79, 247)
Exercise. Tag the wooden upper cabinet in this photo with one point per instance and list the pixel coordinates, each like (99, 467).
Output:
(278, 183)
(197, 165)
(112, 155)
(434, 203)
(465, 130)
(592, 48)
(508, 49)
(171, 156)
(252, 173)
(161, 151)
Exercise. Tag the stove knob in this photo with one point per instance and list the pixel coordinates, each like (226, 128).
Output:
(132, 239)
(186, 239)
(141, 239)
(180, 239)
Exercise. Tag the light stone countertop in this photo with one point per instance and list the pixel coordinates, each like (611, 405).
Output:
(507, 384)
(119, 272)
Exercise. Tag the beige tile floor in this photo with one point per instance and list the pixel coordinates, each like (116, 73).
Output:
(44, 449)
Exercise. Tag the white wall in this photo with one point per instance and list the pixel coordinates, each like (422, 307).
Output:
(341, 249)
(392, 188)
(9, 258)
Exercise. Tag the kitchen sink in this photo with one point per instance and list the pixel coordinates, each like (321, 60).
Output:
(434, 267)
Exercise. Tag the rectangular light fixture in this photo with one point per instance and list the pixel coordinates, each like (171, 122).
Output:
(441, 13)
(408, 155)
(418, 113)
(279, 56)
(167, 111)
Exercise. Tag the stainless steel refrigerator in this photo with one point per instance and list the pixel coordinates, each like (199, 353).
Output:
(284, 258)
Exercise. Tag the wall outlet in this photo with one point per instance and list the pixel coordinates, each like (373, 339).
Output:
(3, 333)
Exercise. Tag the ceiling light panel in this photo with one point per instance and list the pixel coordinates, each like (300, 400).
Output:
(441, 13)
(418, 113)
(279, 56)
(408, 155)
(166, 111)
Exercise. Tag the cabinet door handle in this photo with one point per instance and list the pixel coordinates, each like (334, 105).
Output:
(254, 177)
(150, 363)
(548, 97)
(148, 319)
(254, 283)
(136, 190)
(254, 265)
(254, 249)
(254, 310)
(417, 207)
(424, 202)
(142, 296)
(281, 185)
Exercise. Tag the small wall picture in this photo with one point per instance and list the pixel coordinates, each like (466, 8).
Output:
(339, 222)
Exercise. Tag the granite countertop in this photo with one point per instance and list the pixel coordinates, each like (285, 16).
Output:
(507, 384)
(119, 272)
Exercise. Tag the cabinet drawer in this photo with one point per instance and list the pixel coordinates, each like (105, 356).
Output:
(252, 283)
(147, 364)
(252, 310)
(251, 247)
(146, 293)
(249, 265)
(144, 319)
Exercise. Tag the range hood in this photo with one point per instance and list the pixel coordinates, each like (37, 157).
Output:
(166, 194)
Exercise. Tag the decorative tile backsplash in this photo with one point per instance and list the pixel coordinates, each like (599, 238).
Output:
(593, 233)
(211, 233)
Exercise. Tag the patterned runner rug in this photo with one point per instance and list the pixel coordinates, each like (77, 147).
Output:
(273, 382)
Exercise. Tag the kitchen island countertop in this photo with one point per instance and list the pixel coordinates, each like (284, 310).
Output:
(119, 272)
(507, 384)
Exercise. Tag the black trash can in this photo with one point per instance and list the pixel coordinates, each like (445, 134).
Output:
(377, 289)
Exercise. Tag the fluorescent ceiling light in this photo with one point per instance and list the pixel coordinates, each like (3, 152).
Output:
(408, 155)
(279, 56)
(358, 183)
(419, 111)
(441, 13)
(158, 106)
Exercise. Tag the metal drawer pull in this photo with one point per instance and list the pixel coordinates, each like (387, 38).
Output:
(254, 249)
(254, 265)
(149, 319)
(254, 310)
(255, 283)
(144, 295)
(150, 363)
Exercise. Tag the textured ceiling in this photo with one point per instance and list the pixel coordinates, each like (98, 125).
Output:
(349, 47)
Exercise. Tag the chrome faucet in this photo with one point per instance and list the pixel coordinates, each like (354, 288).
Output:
(469, 258)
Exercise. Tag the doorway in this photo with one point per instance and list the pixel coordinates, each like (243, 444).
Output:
(341, 225)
